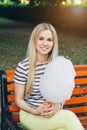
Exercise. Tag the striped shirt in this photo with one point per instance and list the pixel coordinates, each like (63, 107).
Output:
(21, 75)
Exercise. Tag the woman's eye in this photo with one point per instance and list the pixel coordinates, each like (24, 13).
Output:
(41, 38)
(49, 39)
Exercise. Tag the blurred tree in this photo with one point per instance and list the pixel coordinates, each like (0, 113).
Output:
(45, 2)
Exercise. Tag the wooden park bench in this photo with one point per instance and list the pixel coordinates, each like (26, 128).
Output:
(9, 110)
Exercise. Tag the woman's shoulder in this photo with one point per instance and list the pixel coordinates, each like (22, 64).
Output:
(21, 72)
(24, 63)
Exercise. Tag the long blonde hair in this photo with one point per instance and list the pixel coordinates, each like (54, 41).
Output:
(31, 51)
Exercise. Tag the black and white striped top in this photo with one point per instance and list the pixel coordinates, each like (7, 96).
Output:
(21, 75)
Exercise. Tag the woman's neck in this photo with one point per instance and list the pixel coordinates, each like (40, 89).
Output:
(42, 60)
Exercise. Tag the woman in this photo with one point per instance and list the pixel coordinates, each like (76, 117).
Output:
(35, 113)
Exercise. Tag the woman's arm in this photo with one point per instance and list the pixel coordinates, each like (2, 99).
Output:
(19, 98)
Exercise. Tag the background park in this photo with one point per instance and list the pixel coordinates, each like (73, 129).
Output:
(18, 18)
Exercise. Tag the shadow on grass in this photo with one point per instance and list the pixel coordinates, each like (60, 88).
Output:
(8, 23)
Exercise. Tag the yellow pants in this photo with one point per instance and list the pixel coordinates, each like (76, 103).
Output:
(62, 120)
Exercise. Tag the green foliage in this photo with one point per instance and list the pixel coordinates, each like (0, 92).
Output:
(12, 10)
(45, 3)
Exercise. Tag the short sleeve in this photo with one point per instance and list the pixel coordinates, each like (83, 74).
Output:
(20, 74)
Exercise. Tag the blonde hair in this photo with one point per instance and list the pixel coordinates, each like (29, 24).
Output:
(31, 51)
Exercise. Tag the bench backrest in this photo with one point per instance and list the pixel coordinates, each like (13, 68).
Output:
(78, 101)
(77, 104)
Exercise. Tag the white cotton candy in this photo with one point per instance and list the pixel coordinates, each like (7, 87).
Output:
(57, 83)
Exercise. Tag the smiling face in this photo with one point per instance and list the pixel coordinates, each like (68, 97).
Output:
(44, 43)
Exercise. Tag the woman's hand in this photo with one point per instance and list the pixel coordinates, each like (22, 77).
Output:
(50, 109)
(47, 109)
(39, 110)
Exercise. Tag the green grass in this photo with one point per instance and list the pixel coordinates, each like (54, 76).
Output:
(14, 37)
(13, 42)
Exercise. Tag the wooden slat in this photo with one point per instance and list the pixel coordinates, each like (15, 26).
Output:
(81, 73)
(13, 108)
(84, 121)
(10, 87)
(82, 118)
(15, 118)
(11, 98)
(82, 81)
(79, 91)
(80, 67)
(77, 100)
(84, 125)
(79, 110)
(10, 75)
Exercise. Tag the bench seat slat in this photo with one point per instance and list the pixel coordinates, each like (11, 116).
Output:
(79, 110)
(82, 118)
(80, 67)
(13, 108)
(10, 87)
(82, 81)
(81, 73)
(10, 75)
(11, 98)
(79, 91)
(79, 100)
(15, 118)
(84, 125)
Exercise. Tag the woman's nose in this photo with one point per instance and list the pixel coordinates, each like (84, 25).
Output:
(45, 42)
